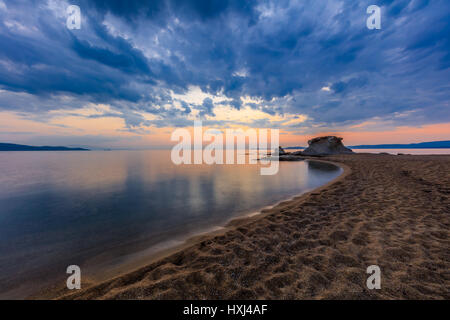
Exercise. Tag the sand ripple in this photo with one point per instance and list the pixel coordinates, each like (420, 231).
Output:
(392, 211)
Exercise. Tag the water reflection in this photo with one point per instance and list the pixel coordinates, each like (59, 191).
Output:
(61, 208)
(319, 167)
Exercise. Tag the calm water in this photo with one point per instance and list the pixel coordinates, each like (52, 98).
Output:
(98, 208)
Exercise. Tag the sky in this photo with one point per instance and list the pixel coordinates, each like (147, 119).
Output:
(137, 70)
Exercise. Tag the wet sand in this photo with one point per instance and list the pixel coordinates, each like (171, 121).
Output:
(391, 211)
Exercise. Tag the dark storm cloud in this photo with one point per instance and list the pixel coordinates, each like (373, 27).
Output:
(156, 9)
(350, 85)
(57, 62)
(129, 60)
(133, 54)
(206, 108)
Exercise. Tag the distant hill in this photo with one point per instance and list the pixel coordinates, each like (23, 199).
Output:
(21, 147)
(421, 145)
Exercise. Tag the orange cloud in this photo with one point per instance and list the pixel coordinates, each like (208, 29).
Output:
(17, 128)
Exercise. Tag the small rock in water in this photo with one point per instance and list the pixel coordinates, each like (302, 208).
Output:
(290, 157)
(281, 151)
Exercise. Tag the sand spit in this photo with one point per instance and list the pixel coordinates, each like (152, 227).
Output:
(392, 211)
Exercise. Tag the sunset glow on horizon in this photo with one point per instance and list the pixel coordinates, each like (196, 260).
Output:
(128, 78)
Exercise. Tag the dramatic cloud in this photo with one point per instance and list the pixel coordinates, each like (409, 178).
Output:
(314, 64)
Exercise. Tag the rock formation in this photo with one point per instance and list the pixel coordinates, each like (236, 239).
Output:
(325, 146)
(320, 146)
(281, 151)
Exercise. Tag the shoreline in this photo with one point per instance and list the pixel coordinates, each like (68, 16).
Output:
(386, 210)
(202, 235)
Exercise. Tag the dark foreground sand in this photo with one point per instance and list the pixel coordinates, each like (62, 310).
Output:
(392, 211)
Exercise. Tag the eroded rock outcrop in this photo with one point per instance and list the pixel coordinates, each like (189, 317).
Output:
(281, 151)
(321, 146)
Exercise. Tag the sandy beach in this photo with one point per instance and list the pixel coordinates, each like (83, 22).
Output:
(391, 211)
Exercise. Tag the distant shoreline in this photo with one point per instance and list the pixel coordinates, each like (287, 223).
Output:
(395, 147)
(420, 145)
(20, 147)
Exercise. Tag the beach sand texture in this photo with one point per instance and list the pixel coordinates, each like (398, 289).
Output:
(391, 211)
